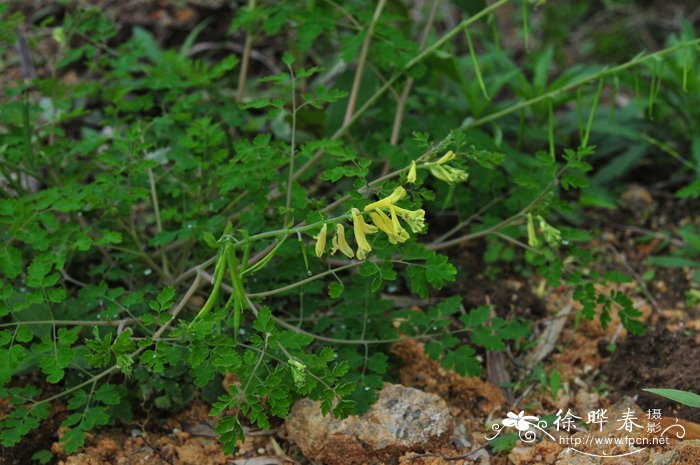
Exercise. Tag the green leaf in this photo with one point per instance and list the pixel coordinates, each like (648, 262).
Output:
(504, 442)
(554, 383)
(484, 337)
(378, 363)
(24, 334)
(108, 394)
(264, 322)
(463, 361)
(43, 456)
(10, 261)
(668, 261)
(72, 440)
(202, 375)
(476, 317)
(288, 59)
(335, 290)
(684, 397)
(56, 295)
(163, 300)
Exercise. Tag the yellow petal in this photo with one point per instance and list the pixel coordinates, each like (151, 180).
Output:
(401, 234)
(411, 178)
(448, 173)
(361, 229)
(532, 239)
(447, 157)
(340, 243)
(398, 194)
(384, 223)
(321, 240)
(414, 218)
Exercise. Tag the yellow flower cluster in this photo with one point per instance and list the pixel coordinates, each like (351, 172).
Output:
(445, 172)
(385, 215)
(440, 169)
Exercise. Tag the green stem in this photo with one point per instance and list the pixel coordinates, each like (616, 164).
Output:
(555, 92)
(219, 272)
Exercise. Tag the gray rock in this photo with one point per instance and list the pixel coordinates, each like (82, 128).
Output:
(685, 453)
(403, 419)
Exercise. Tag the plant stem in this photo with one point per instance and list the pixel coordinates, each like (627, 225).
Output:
(159, 224)
(585, 80)
(390, 82)
(68, 323)
(401, 105)
(290, 179)
(362, 60)
(304, 281)
(156, 336)
(245, 59)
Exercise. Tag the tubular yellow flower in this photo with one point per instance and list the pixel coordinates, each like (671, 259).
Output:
(414, 218)
(551, 234)
(321, 240)
(361, 229)
(340, 243)
(387, 225)
(449, 156)
(398, 194)
(383, 222)
(448, 173)
(532, 239)
(401, 234)
(411, 178)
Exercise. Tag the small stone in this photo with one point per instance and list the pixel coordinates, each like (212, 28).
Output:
(686, 453)
(402, 420)
(586, 401)
(543, 453)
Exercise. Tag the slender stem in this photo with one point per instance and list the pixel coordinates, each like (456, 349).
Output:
(304, 281)
(517, 242)
(142, 251)
(390, 82)
(437, 245)
(156, 336)
(245, 60)
(175, 311)
(362, 60)
(69, 323)
(401, 105)
(290, 179)
(579, 82)
(159, 224)
(471, 218)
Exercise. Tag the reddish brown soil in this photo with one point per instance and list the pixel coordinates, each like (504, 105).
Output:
(659, 359)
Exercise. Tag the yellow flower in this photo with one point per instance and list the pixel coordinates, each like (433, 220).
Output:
(321, 240)
(448, 173)
(532, 239)
(398, 194)
(411, 178)
(361, 229)
(387, 225)
(414, 218)
(449, 156)
(551, 234)
(340, 243)
(401, 234)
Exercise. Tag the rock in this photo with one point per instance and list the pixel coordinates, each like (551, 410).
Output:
(402, 420)
(543, 453)
(569, 457)
(685, 453)
(586, 401)
(471, 397)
